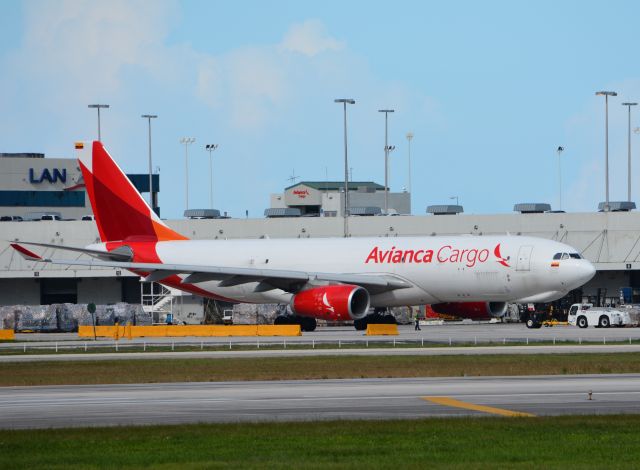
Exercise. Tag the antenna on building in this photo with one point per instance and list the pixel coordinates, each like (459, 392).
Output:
(293, 177)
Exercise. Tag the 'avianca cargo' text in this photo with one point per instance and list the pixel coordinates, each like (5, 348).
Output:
(445, 254)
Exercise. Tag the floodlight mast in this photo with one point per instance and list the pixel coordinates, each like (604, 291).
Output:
(210, 148)
(98, 107)
(628, 105)
(187, 141)
(387, 149)
(153, 203)
(606, 95)
(344, 102)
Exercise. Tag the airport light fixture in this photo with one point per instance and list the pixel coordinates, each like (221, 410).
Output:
(345, 102)
(98, 107)
(153, 203)
(559, 151)
(211, 148)
(456, 198)
(606, 95)
(409, 139)
(187, 141)
(628, 105)
(389, 149)
(386, 157)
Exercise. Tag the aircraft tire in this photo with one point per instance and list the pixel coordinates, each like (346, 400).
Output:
(360, 324)
(308, 324)
(284, 320)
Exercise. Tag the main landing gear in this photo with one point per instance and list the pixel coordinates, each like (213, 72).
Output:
(379, 316)
(306, 323)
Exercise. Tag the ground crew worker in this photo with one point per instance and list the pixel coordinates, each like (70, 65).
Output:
(417, 327)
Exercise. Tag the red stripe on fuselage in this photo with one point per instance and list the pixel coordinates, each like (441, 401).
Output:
(145, 251)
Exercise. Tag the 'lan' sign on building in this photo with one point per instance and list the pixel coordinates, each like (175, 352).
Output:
(49, 176)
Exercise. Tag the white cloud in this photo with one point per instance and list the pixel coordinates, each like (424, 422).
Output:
(253, 82)
(76, 52)
(247, 82)
(309, 38)
(83, 46)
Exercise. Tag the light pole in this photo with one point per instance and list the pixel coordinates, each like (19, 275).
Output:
(149, 117)
(559, 150)
(606, 95)
(409, 139)
(386, 158)
(187, 141)
(98, 107)
(628, 105)
(390, 148)
(456, 198)
(210, 148)
(344, 102)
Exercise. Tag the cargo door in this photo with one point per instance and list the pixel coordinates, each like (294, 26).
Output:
(524, 258)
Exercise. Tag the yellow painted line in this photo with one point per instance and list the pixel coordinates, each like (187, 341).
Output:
(446, 401)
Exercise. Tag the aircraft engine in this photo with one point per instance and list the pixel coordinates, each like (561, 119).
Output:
(472, 310)
(339, 302)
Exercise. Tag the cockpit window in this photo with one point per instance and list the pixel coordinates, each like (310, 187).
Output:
(557, 256)
(565, 256)
(575, 255)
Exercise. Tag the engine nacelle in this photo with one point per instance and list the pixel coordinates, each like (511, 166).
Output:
(472, 310)
(339, 302)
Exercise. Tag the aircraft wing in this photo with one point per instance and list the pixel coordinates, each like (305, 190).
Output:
(267, 279)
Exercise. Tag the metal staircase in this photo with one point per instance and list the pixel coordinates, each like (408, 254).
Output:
(157, 300)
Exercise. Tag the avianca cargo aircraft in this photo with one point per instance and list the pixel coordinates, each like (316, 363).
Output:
(324, 278)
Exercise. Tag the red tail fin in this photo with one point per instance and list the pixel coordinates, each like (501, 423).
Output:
(121, 213)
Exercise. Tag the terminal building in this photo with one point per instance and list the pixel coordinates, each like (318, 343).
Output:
(30, 184)
(326, 199)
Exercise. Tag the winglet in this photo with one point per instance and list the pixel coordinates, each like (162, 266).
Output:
(26, 254)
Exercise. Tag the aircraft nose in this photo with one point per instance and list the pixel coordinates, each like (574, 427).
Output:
(585, 272)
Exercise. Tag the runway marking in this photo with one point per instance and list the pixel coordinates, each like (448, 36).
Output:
(446, 401)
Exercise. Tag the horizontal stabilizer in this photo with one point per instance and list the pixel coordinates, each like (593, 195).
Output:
(25, 253)
(122, 253)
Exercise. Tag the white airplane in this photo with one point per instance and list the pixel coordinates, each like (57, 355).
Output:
(323, 278)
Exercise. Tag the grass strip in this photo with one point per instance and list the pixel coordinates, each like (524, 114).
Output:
(320, 367)
(567, 442)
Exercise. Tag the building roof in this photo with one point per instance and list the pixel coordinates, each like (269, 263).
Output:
(21, 155)
(337, 185)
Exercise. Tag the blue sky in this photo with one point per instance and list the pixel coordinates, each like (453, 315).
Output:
(490, 90)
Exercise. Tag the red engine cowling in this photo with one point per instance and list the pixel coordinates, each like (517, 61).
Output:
(340, 302)
(472, 310)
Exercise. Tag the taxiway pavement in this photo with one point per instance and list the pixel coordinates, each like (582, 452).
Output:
(443, 334)
(106, 405)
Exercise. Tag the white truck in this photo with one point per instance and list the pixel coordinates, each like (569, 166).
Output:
(227, 317)
(585, 315)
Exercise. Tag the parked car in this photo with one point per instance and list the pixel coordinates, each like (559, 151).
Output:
(50, 217)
